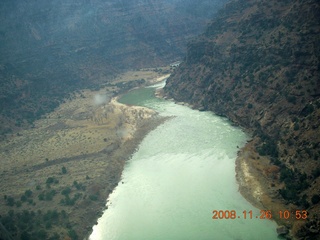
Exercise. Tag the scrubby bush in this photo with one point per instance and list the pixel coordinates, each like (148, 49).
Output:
(49, 195)
(316, 172)
(307, 110)
(25, 236)
(28, 225)
(79, 186)
(292, 99)
(50, 180)
(69, 201)
(10, 201)
(41, 196)
(276, 162)
(315, 199)
(93, 197)
(66, 191)
(73, 235)
(304, 202)
(269, 147)
(28, 193)
(64, 170)
(295, 182)
(23, 198)
(289, 194)
(30, 201)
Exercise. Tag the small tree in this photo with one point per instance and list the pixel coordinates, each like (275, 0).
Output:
(315, 199)
(50, 180)
(28, 193)
(10, 201)
(63, 170)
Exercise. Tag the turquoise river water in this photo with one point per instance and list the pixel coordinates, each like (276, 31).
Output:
(182, 172)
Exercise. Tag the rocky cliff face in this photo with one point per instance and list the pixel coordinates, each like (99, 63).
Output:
(258, 64)
(48, 49)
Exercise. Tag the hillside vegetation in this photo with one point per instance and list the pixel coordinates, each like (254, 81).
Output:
(57, 176)
(50, 49)
(257, 63)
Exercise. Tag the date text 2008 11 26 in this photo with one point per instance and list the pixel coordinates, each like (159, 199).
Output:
(264, 214)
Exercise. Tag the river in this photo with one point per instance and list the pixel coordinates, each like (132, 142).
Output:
(182, 172)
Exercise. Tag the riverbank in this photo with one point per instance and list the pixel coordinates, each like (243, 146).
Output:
(60, 172)
(258, 181)
(259, 184)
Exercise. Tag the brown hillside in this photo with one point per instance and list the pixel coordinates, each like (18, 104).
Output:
(258, 64)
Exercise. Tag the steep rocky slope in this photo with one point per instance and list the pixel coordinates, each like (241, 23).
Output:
(258, 64)
(48, 49)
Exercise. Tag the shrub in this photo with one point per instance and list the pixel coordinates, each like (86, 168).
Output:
(30, 201)
(50, 180)
(41, 196)
(64, 170)
(41, 234)
(28, 193)
(268, 148)
(68, 201)
(316, 172)
(23, 198)
(79, 186)
(290, 142)
(66, 191)
(289, 194)
(93, 197)
(49, 195)
(55, 236)
(48, 225)
(292, 99)
(63, 213)
(276, 161)
(10, 201)
(315, 199)
(73, 235)
(25, 236)
(304, 202)
(307, 110)
(18, 203)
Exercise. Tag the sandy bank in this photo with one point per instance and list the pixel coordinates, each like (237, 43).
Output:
(160, 79)
(258, 183)
(136, 123)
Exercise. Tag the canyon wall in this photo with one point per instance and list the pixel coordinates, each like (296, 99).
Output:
(257, 63)
(49, 49)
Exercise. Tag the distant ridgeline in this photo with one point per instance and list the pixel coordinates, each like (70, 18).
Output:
(258, 64)
(51, 48)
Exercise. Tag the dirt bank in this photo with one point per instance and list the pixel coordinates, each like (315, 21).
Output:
(259, 183)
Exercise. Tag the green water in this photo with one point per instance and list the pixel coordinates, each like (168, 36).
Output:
(181, 173)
